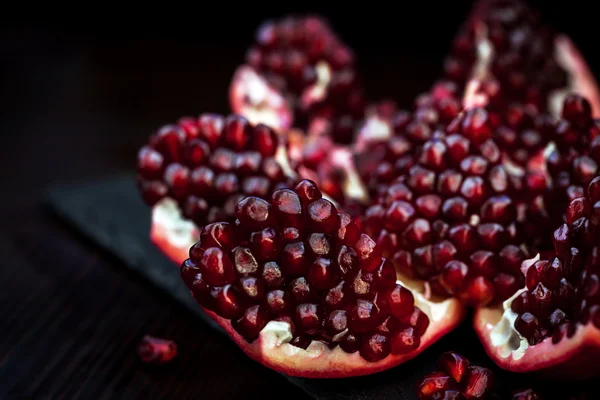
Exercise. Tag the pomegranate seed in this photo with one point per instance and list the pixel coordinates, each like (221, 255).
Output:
(216, 267)
(400, 301)
(265, 244)
(272, 275)
(453, 364)
(244, 261)
(405, 341)
(337, 322)
(287, 207)
(252, 288)
(577, 110)
(150, 163)
(251, 322)
(228, 301)
(453, 276)
(434, 383)
(307, 317)
(478, 383)
(155, 350)
(375, 347)
(277, 302)
(322, 216)
(253, 212)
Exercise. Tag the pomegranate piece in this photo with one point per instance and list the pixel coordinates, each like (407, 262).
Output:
(549, 282)
(305, 62)
(205, 164)
(556, 313)
(456, 379)
(153, 350)
(329, 287)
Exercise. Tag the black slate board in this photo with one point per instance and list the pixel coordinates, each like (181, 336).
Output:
(111, 213)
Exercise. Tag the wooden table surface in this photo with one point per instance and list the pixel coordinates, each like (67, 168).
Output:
(77, 108)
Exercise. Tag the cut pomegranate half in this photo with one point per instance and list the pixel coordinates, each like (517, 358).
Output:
(301, 290)
(195, 172)
(306, 63)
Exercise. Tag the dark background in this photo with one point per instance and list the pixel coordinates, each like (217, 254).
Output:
(80, 91)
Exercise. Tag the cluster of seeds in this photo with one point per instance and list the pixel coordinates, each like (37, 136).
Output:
(450, 218)
(208, 164)
(292, 53)
(565, 289)
(295, 258)
(521, 69)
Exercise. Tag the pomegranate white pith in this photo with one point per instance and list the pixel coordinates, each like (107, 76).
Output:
(273, 350)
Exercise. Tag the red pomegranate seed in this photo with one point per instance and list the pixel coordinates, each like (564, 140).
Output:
(155, 350)
(434, 383)
(478, 382)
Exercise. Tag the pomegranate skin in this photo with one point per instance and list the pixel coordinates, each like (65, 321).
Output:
(573, 358)
(318, 361)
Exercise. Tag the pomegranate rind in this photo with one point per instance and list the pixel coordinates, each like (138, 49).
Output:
(577, 357)
(319, 361)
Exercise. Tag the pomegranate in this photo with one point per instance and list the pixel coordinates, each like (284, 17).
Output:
(548, 325)
(456, 379)
(153, 350)
(306, 63)
(301, 290)
(201, 168)
(553, 323)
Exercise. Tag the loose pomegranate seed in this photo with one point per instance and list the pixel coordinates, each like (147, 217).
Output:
(456, 379)
(330, 282)
(207, 164)
(155, 350)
